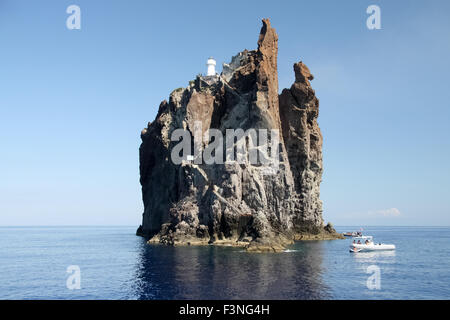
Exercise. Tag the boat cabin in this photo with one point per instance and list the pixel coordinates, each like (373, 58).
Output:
(363, 240)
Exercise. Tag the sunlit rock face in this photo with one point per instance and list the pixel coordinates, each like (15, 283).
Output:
(236, 203)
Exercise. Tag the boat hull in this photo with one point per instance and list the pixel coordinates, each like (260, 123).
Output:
(371, 247)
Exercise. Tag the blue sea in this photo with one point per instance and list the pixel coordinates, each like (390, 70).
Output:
(113, 263)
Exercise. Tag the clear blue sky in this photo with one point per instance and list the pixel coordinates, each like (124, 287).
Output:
(73, 102)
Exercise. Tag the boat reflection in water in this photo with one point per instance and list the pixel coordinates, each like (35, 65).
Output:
(371, 255)
(208, 272)
(382, 259)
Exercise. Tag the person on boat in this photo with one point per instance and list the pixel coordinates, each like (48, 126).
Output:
(359, 241)
(367, 242)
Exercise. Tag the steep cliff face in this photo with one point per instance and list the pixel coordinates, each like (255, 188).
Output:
(263, 205)
(299, 109)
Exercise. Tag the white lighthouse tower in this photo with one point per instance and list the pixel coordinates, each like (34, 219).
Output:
(211, 64)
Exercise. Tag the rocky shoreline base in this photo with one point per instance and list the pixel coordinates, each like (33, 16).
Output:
(258, 245)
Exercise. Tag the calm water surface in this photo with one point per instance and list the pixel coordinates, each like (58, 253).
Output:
(115, 264)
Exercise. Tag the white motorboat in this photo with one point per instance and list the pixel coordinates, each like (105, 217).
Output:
(365, 243)
(353, 234)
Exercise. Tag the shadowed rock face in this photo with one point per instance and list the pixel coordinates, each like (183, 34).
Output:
(236, 203)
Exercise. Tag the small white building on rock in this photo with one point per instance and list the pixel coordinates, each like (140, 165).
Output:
(211, 64)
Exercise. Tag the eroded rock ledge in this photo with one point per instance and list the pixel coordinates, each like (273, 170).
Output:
(230, 203)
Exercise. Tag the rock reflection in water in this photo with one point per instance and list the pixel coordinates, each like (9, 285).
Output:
(229, 273)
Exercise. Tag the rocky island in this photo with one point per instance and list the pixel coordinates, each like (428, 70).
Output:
(236, 202)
